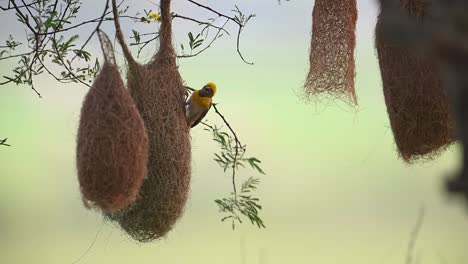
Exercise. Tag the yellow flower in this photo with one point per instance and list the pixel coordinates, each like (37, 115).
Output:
(155, 16)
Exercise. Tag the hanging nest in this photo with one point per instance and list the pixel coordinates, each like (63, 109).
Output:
(416, 99)
(158, 92)
(112, 145)
(332, 68)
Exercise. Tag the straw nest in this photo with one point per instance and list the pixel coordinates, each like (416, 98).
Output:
(332, 67)
(112, 145)
(158, 92)
(417, 103)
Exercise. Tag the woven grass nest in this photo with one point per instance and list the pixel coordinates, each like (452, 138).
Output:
(416, 98)
(332, 67)
(158, 92)
(112, 145)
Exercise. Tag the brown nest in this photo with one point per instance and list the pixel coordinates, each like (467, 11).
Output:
(158, 92)
(332, 68)
(112, 145)
(415, 96)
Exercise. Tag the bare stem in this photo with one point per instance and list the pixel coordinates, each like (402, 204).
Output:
(237, 147)
(216, 12)
(414, 236)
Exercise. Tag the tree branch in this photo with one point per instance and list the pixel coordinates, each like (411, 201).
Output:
(240, 21)
(94, 31)
(144, 43)
(16, 55)
(9, 7)
(238, 47)
(216, 12)
(18, 11)
(208, 46)
(237, 148)
(200, 22)
(96, 20)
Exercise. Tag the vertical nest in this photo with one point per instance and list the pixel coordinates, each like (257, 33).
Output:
(332, 68)
(158, 92)
(416, 99)
(112, 145)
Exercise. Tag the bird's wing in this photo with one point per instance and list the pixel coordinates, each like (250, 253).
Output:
(201, 117)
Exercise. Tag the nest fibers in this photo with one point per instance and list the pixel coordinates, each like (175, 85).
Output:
(112, 147)
(416, 99)
(158, 92)
(332, 68)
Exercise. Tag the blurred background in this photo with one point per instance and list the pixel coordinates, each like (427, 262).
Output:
(335, 190)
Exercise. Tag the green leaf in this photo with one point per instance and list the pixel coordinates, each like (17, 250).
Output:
(190, 36)
(136, 35)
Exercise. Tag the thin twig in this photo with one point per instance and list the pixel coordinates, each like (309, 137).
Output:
(11, 8)
(91, 245)
(95, 20)
(200, 22)
(30, 13)
(227, 124)
(237, 147)
(216, 12)
(414, 236)
(239, 31)
(23, 17)
(61, 80)
(7, 47)
(94, 31)
(145, 43)
(221, 116)
(59, 56)
(238, 47)
(16, 55)
(207, 125)
(208, 46)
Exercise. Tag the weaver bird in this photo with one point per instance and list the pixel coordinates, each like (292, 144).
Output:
(199, 104)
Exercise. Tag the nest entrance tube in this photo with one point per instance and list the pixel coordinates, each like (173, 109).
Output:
(416, 100)
(332, 68)
(112, 145)
(158, 91)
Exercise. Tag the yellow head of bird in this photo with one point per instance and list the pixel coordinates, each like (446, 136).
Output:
(212, 85)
